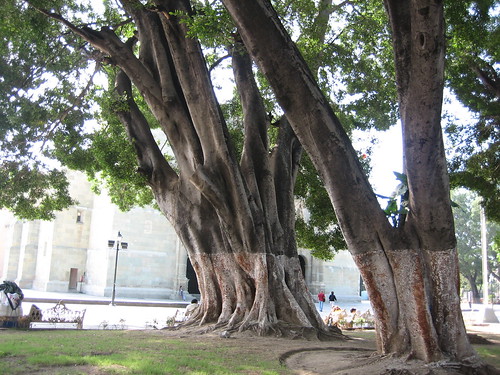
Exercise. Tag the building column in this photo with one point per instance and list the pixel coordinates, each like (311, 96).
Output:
(28, 254)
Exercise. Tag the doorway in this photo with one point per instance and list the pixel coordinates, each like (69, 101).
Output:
(302, 261)
(193, 280)
(73, 278)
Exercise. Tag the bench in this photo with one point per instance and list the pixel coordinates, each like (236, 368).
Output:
(57, 317)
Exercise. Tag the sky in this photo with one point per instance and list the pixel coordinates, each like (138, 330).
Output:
(387, 158)
(386, 153)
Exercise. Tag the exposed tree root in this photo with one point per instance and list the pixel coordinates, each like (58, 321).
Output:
(360, 361)
(290, 353)
(280, 329)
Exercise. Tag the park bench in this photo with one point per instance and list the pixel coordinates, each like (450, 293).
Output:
(57, 317)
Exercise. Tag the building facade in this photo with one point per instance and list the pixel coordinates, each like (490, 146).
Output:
(71, 253)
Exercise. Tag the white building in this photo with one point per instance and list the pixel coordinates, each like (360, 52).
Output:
(71, 253)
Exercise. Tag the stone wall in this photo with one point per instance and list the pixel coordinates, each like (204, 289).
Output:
(48, 256)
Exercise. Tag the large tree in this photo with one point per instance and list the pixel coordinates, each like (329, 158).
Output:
(468, 233)
(236, 217)
(473, 76)
(411, 272)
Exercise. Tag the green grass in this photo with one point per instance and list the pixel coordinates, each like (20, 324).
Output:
(124, 352)
(144, 352)
(490, 353)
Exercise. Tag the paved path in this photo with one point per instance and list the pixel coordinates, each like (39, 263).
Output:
(133, 313)
(128, 313)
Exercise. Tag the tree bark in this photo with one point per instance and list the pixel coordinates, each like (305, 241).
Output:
(236, 220)
(411, 273)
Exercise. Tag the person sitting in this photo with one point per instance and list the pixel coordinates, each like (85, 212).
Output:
(191, 308)
(11, 297)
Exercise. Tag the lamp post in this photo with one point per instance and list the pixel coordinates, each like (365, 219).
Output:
(489, 315)
(119, 245)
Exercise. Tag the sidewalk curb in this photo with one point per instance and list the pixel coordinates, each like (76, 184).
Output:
(178, 305)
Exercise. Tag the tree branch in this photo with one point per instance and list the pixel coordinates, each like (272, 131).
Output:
(285, 160)
(217, 62)
(255, 162)
(107, 41)
(312, 119)
(152, 163)
(492, 84)
(78, 100)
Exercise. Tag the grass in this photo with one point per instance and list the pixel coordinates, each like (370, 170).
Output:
(137, 352)
(490, 354)
(123, 352)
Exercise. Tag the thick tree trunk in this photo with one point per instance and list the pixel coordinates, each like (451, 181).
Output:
(255, 291)
(416, 315)
(476, 296)
(411, 273)
(418, 38)
(235, 220)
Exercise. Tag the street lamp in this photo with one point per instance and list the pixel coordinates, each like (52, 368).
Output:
(119, 245)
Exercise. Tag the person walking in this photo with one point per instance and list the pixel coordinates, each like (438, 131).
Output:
(321, 299)
(332, 299)
(181, 293)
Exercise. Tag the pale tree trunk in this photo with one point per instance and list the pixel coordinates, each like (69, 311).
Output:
(235, 219)
(411, 272)
(476, 296)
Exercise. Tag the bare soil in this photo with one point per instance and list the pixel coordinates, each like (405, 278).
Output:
(356, 355)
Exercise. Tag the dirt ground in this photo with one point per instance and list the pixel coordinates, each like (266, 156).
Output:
(355, 356)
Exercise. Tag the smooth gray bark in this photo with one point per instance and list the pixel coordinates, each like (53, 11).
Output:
(235, 219)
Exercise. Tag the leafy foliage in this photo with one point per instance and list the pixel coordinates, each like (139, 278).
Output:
(43, 85)
(397, 203)
(468, 232)
(316, 225)
(32, 193)
(50, 96)
(354, 68)
(473, 76)
(210, 23)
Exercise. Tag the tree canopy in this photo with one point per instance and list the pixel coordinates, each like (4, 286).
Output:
(233, 207)
(473, 76)
(52, 78)
(70, 97)
(468, 232)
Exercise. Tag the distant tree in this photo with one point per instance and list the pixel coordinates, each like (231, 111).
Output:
(474, 78)
(468, 232)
